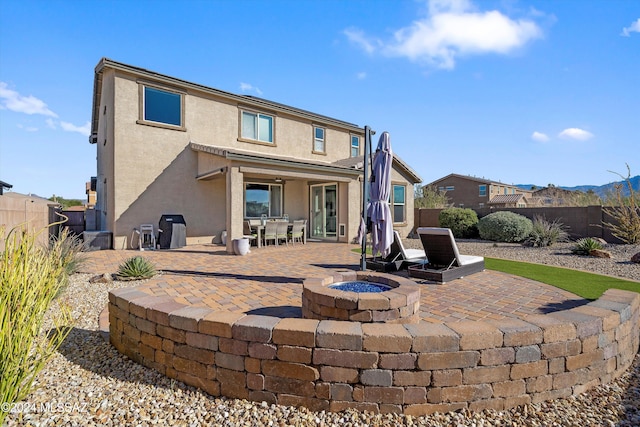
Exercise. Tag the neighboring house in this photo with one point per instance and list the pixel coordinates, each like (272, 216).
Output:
(168, 146)
(91, 192)
(471, 192)
(509, 201)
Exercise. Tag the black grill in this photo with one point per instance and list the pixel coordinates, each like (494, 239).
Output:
(173, 231)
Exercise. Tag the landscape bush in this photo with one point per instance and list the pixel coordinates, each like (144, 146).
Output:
(136, 267)
(505, 226)
(462, 222)
(545, 233)
(30, 279)
(68, 250)
(585, 246)
(626, 212)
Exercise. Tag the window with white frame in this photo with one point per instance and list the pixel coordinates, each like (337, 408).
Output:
(398, 199)
(483, 190)
(160, 106)
(257, 127)
(355, 146)
(450, 188)
(318, 140)
(262, 199)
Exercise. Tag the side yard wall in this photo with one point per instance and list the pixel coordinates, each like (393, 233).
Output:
(412, 369)
(585, 221)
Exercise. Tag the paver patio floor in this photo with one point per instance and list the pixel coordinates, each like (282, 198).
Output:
(269, 280)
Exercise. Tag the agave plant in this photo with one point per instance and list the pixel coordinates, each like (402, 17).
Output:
(585, 246)
(136, 267)
(547, 233)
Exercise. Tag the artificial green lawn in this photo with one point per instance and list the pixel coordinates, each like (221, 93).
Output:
(586, 285)
(583, 284)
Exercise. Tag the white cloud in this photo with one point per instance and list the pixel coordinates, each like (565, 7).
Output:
(576, 133)
(28, 128)
(51, 123)
(540, 137)
(453, 28)
(12, 100)
(361, 75)
(634, 27)
(69, 127)
(246, 87)
(357, 37)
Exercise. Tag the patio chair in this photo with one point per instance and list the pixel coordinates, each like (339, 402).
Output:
(270, 232)
(444, 260)
(398, 258)
(248, 232)
(296, 232)
(281, 231)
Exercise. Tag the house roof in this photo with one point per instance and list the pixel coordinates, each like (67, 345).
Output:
(506, 198)
(242, 99)
(476, 179)
(349, 166)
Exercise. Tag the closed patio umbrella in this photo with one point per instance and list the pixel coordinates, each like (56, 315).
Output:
(378, 209)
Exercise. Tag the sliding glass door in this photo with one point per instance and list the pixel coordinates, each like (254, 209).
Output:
(324, 211)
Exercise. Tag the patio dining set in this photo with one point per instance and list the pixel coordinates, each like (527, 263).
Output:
(262, 232)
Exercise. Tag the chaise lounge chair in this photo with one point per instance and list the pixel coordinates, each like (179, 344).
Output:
(398, 258)
(445, 262)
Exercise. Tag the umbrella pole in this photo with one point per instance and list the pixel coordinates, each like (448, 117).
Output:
(365, 192)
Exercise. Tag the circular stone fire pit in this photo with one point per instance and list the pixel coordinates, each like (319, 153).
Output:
(371, 297)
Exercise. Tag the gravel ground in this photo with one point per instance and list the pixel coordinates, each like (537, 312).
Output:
(89, 383)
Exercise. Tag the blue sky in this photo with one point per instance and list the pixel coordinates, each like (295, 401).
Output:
(519, 91)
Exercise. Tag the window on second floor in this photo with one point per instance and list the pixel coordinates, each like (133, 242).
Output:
(355, 146)
(257, 127)
(319, 145)
(450, 188)
(483, 190)
(162, 107)
(398, 205)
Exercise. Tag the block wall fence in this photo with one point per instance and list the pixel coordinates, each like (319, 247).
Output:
(415, 369)
(583, 221)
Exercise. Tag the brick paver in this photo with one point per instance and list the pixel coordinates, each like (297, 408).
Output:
(268, 281)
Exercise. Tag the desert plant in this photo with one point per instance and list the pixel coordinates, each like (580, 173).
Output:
(29, 281)
(586, 245)
(505, 226)
(136, 267)
(626, 213)
(429, 196)
(547, 233)
(462, 222)
(67, 249)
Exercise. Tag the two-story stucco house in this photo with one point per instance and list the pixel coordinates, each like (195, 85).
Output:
(168, 146)
(472, 192)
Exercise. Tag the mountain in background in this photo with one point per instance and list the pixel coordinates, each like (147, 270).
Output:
(600, 190)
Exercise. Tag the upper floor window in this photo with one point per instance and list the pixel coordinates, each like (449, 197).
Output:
(318, 140)
(450, 188)
(398, 199)
(257, 126)
(483, 190)
(355, 146)
(162, 106)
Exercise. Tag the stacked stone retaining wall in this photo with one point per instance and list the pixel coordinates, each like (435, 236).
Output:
(404, 368)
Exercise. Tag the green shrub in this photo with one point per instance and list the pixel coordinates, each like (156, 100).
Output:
(136, 267)
(462, 222)
(29, 281)
(585, 246)
(505, 226)
(547, 233)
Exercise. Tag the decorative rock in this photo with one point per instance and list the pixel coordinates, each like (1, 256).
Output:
(636, 258)
(101, 278)
(599, 253)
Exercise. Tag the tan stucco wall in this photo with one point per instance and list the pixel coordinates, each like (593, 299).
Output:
(152, 170)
